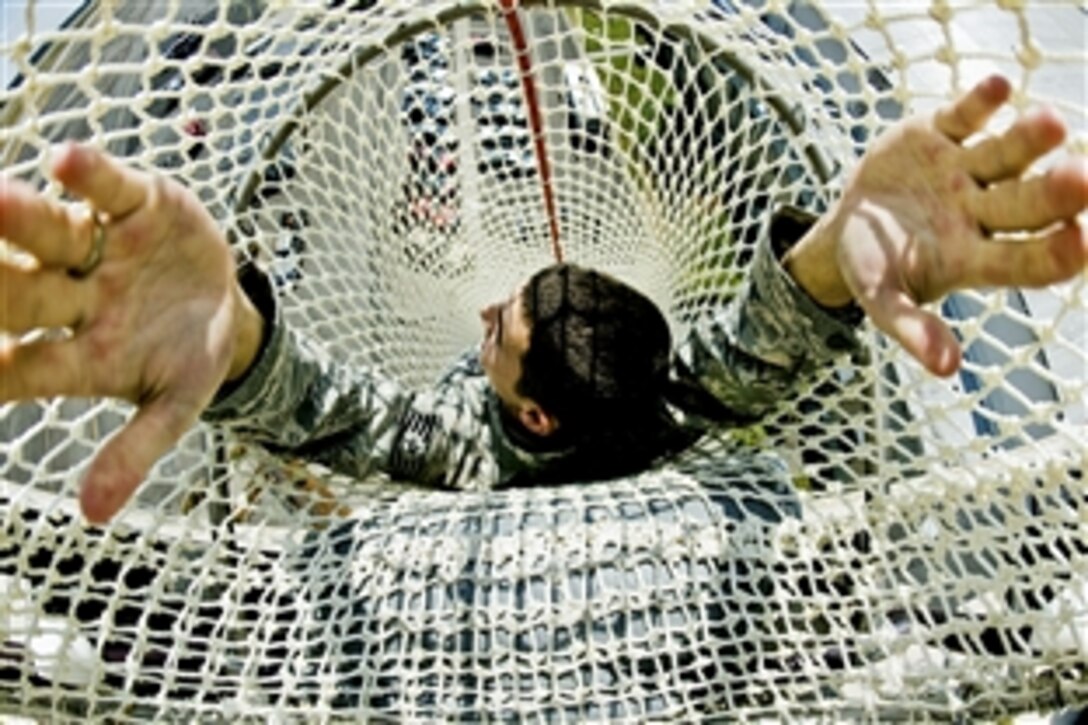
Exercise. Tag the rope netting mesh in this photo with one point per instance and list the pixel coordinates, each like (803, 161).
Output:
(885, 544)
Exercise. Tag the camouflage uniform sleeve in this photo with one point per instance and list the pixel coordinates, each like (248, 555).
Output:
(757, 349)
(297, 399)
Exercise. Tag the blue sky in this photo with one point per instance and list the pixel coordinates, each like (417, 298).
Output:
(48, 14)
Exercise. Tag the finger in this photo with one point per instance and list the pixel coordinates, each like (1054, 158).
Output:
(124, 462)
(1037, 202)
(1039, 261)
(968, 114)
(921, 333)
(1011, 153)
(102, 180)
(55, 234)
(41, 298)
(43, 369)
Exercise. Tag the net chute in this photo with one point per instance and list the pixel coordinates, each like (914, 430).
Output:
(884, 545)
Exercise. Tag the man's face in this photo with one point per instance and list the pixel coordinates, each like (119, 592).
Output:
(506, 340)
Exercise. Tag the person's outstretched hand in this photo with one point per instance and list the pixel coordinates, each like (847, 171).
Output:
(160, 322)
(930, 210)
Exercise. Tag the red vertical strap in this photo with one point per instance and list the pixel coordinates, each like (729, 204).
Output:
(536, 122)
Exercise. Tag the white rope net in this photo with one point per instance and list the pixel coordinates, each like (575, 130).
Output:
(919, 554)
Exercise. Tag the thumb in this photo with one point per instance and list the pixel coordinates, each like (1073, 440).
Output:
(922, 334)
(125, 460)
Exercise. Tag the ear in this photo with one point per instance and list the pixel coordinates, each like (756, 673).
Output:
(536, 420)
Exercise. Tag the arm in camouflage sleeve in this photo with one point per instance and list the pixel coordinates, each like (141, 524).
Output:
(296, 398)
(753, 352)
(931, 208)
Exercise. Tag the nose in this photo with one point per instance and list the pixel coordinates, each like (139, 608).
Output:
(488, 316)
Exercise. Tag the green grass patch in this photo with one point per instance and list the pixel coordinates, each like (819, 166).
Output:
(637, 91)
(644, 109)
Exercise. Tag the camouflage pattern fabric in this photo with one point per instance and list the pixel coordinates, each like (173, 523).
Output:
(298, 401)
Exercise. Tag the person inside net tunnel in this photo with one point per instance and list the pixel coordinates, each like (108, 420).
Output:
(576, 378)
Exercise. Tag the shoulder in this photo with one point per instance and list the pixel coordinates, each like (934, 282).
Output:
(443, 437)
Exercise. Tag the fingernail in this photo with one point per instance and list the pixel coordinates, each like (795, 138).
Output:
(998, 84)
(56, 152)
(948, 361)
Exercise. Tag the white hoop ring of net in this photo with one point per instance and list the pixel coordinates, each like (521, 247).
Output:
(902, 546)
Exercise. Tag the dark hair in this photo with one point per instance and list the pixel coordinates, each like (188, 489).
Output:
(598, 352)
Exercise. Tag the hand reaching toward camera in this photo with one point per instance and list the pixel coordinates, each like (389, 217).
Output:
(931, 209)
(148, 294)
